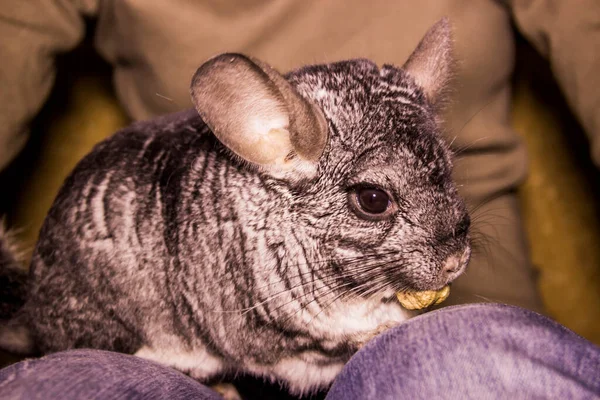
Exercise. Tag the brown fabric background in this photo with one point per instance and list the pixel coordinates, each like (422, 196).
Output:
(560, 199)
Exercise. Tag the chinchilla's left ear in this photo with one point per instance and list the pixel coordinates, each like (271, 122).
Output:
(431, 64)
(259, 116)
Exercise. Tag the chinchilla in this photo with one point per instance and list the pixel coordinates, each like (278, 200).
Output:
(266, 231)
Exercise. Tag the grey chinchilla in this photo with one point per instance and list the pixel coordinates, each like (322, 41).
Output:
(266, 231)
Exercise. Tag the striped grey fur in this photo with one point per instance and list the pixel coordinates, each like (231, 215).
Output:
(165, 243)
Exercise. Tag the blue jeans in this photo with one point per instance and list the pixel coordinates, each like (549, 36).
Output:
(480, 351)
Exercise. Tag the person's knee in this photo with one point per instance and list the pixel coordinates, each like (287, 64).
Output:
(96, 374)
(477, 349)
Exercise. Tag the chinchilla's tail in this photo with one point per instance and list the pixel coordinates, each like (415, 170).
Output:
(14, 335)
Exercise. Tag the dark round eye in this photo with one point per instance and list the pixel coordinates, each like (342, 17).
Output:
(373, 200)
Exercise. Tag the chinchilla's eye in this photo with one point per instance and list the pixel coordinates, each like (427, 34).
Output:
(371, 203)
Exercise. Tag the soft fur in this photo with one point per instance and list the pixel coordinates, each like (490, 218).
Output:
(165, 243)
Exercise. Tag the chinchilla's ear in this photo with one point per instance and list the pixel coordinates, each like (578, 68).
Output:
(431, 63)
(259, 116)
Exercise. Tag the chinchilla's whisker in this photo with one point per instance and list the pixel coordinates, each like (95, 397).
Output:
(487, 299)
(349, 262)
(304, 306)
(328, 260)
(371, 287)
(290, 277)
(400, 288)
(331, 288)
(484, 218)
(316, 263)
(336, 275)
(375, 287)
(323, 308)
(385, 279)
(479, 238)
(474, 209)
(362, 288)
(353, 272)
(481, 244)
(364, 266)
(452, 141)
(345, 293)
(164, 97)
(458, 152)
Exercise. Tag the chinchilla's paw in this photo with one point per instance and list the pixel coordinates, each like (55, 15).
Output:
(227, 390)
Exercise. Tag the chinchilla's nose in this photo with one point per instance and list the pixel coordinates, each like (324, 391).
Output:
(455, 265)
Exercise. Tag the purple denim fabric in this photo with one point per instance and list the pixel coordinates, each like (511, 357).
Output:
(473, 352)
(481, 351)
(97, 375)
